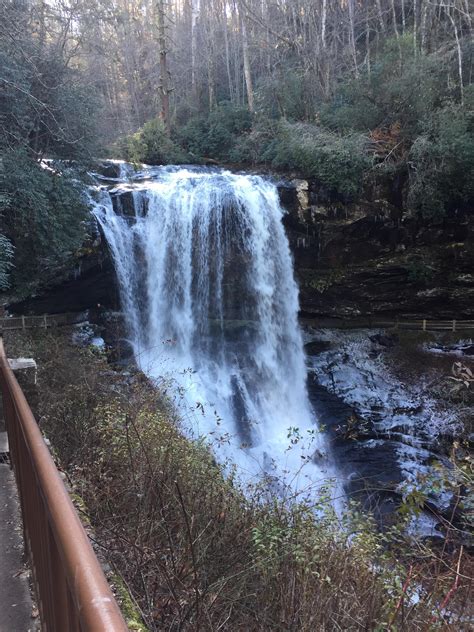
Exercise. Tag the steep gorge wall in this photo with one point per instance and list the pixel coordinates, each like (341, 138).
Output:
(351, 259)
(370, 259)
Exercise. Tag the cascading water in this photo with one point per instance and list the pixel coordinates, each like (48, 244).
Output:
(207, 288)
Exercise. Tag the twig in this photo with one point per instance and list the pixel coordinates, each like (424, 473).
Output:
(402, 596)
(193, 555)
(453, 588)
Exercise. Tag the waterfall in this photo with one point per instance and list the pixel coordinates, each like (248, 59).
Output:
(207, 288)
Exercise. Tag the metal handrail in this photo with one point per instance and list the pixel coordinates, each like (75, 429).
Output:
(71, 588)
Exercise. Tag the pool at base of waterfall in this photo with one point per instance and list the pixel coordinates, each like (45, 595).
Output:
(386, 429)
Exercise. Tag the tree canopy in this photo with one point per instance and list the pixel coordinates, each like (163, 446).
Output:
(339, 91)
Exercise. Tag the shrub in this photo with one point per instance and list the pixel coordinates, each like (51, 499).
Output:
(195, 552)
(42, 214)
(152, 145)
(6, 256)
(193, 135)
(395, 91)
(283, 94)
(441, 162)
(338, 162)
(216, 135)
(250, 146)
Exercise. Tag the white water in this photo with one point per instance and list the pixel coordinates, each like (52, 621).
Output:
(403, 413)
(207, 287)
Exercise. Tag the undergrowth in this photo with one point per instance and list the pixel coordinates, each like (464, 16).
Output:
(197, 553)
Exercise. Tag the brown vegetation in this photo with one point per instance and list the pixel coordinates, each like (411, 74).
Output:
(198, 554)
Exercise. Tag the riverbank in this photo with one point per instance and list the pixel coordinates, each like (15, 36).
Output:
(189, 545)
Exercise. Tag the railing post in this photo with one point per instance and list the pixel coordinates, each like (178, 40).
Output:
(424, 324)
(454, 325)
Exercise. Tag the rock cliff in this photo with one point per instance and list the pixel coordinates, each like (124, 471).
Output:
(371, 259)
(365, 258)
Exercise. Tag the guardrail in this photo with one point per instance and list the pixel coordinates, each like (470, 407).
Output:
(373, 323)
(70, 318)
(44, 321)
(71, 588)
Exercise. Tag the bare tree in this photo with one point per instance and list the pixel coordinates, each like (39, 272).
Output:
(164, 72)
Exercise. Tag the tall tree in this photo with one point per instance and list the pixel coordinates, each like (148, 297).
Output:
(164, 72)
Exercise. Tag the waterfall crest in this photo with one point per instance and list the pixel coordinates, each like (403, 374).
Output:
(207, 288)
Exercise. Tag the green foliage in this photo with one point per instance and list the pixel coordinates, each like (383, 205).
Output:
(282, 94)
(152, 145)
(442, 162)
(75, 109)
(6, 261)
(47, 105)
(216, 135)
(400, 115)
(400, 88)
(41, 214)
(338, 162)
(202, 136)
(251, 145)
(193, 135)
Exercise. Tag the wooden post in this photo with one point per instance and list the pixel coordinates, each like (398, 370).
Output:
(454, 325)
(23, 322)
(45, 321)
(424, 324)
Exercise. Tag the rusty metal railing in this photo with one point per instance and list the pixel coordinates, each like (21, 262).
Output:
(72, 591)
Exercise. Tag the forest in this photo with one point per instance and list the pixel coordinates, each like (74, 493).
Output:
(252, 222)
(345, 92)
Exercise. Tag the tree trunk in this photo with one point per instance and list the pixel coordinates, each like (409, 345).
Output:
(459, 51)
(227, 54)
(245, 52)
(164, 77)
(415, 25)
(380, 16)
(424, 14)
(350, 6)
(194, 19)
(367, 41)
(323, 23)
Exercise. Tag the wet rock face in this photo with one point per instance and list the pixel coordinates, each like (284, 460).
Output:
(386, 424)
(108, 169)
(91, 284)
(369, 259)
(351, 258)
(123, 203)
